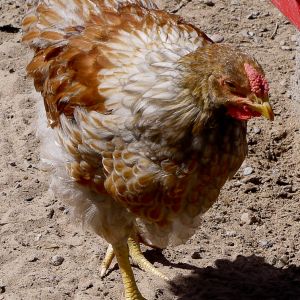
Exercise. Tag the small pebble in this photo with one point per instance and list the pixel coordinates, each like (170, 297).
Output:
(217, 38)
(253, 15)
(256, 130)
(247, 171)
(57, 260)
(265, 244)
(248, 219)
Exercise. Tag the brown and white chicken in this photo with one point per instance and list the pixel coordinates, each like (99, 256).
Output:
(146, 119)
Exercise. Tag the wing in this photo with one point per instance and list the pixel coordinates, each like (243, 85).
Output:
(93, 54)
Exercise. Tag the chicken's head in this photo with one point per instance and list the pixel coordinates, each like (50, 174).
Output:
(221, 76)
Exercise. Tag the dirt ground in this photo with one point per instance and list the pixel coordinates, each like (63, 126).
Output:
(248, 246)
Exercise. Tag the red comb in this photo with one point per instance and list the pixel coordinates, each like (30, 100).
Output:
(291, 8)
(258, 82)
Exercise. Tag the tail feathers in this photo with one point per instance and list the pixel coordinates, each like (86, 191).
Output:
(50, 22)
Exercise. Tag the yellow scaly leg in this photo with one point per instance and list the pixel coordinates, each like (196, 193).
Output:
(137, 257)
(131, 289)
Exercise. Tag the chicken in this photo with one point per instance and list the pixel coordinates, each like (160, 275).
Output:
(144, 122)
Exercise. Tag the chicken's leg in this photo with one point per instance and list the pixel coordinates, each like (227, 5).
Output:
(139, 259)
(131, 289)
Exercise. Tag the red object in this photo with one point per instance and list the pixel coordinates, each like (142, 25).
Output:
(291, 8)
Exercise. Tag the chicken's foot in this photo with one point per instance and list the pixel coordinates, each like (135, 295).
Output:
(139, 259)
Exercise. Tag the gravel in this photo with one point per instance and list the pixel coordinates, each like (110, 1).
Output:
(247, 171)
(57, 260)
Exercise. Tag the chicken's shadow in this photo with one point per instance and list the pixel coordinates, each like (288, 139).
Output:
(246, 278)
(156, 255)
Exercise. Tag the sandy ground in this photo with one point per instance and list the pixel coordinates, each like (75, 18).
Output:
(249, 244)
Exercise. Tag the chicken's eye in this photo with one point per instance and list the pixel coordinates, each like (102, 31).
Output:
(230, 84)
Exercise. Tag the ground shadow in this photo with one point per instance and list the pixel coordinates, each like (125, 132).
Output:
(246, 278)
(156, 255)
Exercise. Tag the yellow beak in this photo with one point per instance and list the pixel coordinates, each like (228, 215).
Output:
(264, 109)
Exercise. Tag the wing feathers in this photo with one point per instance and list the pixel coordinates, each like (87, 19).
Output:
(98, 54)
